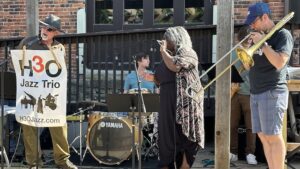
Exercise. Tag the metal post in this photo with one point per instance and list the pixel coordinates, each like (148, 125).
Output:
(32, 15)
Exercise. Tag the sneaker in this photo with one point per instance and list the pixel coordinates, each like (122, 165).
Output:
(233, 157)
(251, 159)
(34, 166)
(68, 165)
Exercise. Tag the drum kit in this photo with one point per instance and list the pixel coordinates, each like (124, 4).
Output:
(109, 135)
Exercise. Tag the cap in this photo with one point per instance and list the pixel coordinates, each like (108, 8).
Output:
(52, 21)
(258, 9)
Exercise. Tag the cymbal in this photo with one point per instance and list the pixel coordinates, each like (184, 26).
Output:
(137, 114)
(90, 103)
(75, 117)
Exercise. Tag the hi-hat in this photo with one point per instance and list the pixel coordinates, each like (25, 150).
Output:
(91, 103)
(136, 114)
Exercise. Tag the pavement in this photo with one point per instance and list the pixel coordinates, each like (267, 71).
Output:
(204, 160)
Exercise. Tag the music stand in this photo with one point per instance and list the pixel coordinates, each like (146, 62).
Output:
(7, 93)
(123, 102)
(129, 103)
(9, 85)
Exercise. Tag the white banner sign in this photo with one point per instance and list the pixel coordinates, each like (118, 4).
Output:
(41, 87)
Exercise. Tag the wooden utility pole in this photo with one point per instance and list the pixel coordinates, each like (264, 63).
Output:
(222, 114)
(32, 17)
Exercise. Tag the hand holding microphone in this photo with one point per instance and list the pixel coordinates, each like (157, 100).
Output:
(160, 42)
(163, 46)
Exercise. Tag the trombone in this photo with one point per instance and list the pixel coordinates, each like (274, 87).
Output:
(244, 55)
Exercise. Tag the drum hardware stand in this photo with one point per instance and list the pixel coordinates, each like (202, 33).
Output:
(153, 145)
(134, 146)
(128, 102)
(141, 105)
(80, 111)
(86, 148)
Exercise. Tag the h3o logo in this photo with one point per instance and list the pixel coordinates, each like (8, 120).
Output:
(40, 66)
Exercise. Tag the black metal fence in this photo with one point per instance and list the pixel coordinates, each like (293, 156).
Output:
(98, 63)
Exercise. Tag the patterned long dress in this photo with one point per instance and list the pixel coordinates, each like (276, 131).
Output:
(180, 123)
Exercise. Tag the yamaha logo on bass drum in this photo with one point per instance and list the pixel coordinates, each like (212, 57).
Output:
(110, 125)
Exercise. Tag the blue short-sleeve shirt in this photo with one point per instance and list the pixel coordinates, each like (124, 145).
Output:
(131, 82)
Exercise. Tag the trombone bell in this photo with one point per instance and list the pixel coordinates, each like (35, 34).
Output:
(245, 56)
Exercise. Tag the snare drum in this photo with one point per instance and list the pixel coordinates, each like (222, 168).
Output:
(109, 139)
(135, 91)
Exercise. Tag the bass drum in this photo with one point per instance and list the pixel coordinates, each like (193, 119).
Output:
(109, 139)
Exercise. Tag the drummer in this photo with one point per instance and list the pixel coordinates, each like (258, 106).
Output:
(147, 83)
(146, 76)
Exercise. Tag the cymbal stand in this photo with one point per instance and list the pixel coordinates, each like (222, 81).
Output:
(85, 151)
(132, 108)
(141, 107)
(80, 111)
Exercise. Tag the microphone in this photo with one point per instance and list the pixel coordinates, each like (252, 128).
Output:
(159, 42)
(91, 107)
(80, 110)
(134, 59)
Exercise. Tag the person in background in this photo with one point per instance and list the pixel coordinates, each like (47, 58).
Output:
(180, 122)
(240, 105)
(147, 86)
(146, 76)
(50, 28)
(268, 85)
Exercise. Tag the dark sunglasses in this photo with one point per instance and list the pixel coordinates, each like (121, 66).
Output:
(49, 29)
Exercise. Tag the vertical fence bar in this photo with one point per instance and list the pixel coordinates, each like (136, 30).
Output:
(122, 64)
(84, 68)
(77, 70)
(6, 53)
(106, 65)
(114, 61)
(129, 57)
(99, 38)
(92, 44)
(69, 83)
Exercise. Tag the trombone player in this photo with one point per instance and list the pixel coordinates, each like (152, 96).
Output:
(268, 85)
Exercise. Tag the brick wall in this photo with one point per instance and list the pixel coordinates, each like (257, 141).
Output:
(13, 15)
(241, 9)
